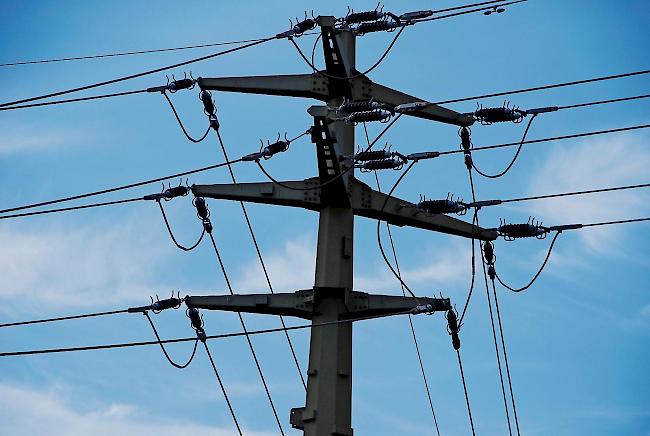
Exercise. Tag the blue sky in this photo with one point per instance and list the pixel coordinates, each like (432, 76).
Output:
(577, 340)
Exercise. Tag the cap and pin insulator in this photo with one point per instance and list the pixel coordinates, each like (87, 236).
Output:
(201, 208)
(167, 303)
(276, 147)
(363, 156)
(452, 322)
(208, 104)
(377, 26)
(465, 139)
(488, 252)
(360, 17)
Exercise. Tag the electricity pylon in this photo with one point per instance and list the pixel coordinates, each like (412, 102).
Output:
(337, 196)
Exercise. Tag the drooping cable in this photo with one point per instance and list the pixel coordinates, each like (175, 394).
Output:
(381, 247)
(332, 180)
(474, 223)
(115, 189)
(354, 76)
(223, 388)
(180, 123)
(263, 265)
(244, 328)
(136, 75)
(541, 268)
(171, 234)
(514, 158)
(410, 318)
(162, 346)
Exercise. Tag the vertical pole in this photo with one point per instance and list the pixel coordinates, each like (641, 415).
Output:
(328, 408)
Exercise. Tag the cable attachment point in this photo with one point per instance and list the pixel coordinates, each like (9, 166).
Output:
(209, 108)
(299, 28)
(531, 229)
(452, 328)
(411, 107)
(415, 15)
(490, 258)
(381, 115)
(203, 213)
(196, 320)
(175, 85)
(169, 193)
(159, 305)
(441, 207)
(422, 308)
(503, 114)
(423, 155)
(495, 9)
(466, 145)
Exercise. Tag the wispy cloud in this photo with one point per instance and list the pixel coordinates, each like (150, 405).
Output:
(77, 266)
(29, 138)
(292, 267)
(594, 163)
(28, 411)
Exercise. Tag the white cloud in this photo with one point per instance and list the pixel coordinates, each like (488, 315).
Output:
(27, 411)
(292, 268)
(594, 163)
(78, 266)
(29, 138)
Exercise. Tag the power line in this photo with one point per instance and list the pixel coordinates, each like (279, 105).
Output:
(607, 223)
(544, 87)
(118, 188)
(599, 102)
(566, 194)
(555, 138)
(126, 53)
(136, 75)
(263, 265)
(455, 14)
(188, 339)
(66, 209)
(63, 318)
(73, 100)
(410, 318)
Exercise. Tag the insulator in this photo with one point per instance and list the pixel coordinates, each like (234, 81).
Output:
(468, 161)
(393, 163)
(488, 252)
(208, 104)
(452, 323)
(367, 116)
(276, 147)
(363, 156)
(515, 231)
(195, 318)
(502, 114)
(201, 208)
(465, 139)
(176, 191)
(207, 225)
(304, 26)
(377, 26)
(167, 303)
(180, 84)
(440, 207)
(415, 15)
(349, 107)
(360, 17)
